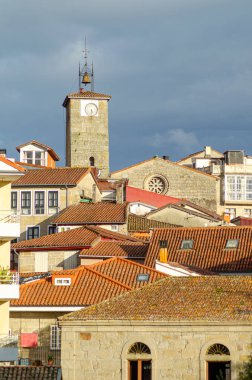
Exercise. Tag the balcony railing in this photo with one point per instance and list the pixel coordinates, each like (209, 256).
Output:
(8, 216)
(9, 278)
(8, 340)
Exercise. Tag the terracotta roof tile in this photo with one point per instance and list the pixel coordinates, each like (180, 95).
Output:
(92, 213)
(116, 249)
(141, 223)
(90, 284)
(76, 237)
(12, 164)
(56, 177)
(30, 372)
(208, 250)
(85, 95)
(214, 298)
(126, 271)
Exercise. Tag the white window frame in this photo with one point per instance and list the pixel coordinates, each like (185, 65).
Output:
(21, 208)
(34, 200)
(114, 227)
(55, 337)
(52, 210)
(236, 188)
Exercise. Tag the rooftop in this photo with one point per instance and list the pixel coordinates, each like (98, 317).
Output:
(39, 144)
(117, 249)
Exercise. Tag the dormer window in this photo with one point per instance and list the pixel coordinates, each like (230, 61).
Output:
(187, 244)
(232, 243)
(62, 281)
(34, 157)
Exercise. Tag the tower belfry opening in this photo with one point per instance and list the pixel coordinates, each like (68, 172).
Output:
(87, 135)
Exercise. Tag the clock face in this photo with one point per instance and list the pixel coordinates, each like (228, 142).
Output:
(91, 109)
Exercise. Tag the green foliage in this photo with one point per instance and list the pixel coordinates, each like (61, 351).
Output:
(245, 372)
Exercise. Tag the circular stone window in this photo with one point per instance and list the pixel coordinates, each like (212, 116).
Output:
(157, 184)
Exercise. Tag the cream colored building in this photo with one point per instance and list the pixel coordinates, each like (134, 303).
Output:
(234, 169)
(42, 193)
(9, 229)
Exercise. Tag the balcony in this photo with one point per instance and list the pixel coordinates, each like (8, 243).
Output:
(9, 285)
(9, 225)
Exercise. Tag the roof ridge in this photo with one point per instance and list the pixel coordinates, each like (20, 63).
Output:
(203, 228)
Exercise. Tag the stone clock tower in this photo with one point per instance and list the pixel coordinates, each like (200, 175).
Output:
(87, 137)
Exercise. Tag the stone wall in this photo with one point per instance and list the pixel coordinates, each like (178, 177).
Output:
(178, 350)
(180, 181)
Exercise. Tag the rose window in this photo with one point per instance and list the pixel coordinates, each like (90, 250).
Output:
(156, 185)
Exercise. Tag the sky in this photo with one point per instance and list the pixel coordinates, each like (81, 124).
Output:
(179, 72)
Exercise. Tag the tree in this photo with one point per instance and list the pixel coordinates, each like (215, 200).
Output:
(245, 372)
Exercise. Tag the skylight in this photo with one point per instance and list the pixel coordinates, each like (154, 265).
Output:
(187, 244)
(143, 277)
(232, 243)
(62, 281)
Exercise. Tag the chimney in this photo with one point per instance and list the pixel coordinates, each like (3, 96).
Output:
(94, 193)
(208, 151)
(166, 158)
(163, 253)
(3, 153)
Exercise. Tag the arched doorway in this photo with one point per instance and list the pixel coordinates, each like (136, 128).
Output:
(139, 362)
(218, 362)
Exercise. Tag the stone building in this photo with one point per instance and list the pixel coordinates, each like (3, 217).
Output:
(87, 136)
(190, 328)
(165, 177)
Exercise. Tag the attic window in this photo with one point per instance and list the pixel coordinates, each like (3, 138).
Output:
(143, 277)
(232, 243)
(187, 244)
(62, 281)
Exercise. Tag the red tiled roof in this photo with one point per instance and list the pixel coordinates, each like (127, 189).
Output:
(89, 285)
(12, 164)
(242, 221)
(116, 249)
(56, 177)
(92, 213)
(85, 95)
(46, 147)
(184, 299)
(134, 194)
(126, 271)
(74, 238)
(208, 250)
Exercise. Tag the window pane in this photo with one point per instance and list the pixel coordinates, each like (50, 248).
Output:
(32, 232)
(39, 158)
(39, 202)
(13, 199)
(53, 199)
(28, 157)
(25, 202)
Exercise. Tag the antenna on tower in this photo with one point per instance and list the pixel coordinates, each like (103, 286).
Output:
(85, 75)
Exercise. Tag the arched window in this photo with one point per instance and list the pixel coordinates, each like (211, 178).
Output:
(218, 362)
(91, 161)
(139, 362)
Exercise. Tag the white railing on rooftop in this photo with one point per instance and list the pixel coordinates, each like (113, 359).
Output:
(8, 216)
(6, 340)
(9, 278)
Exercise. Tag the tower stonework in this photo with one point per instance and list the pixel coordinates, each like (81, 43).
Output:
(87, 135)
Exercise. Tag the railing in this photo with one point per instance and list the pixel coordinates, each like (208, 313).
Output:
(8, 340)
(8, 278)
(8, 216)
(35, 355)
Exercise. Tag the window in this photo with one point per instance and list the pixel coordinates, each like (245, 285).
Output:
(91, 161)
(55, 337)
(14, 200)
(40, 158)
(143, 277)
(157, 185)
(32, 232)
(139, 362)
(187, 244)
(238, 188)
(218, 362)
(248, 212)
(114, 227)
(232, 243)
(26, 202)
(53, 202)
(28, 157)
(39, 202)
(52, 230)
